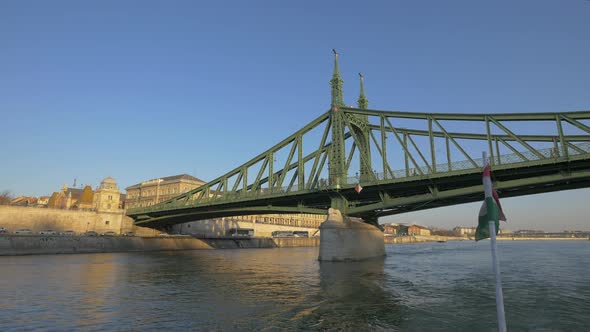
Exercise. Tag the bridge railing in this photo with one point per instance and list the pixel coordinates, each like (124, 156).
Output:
(513, 158)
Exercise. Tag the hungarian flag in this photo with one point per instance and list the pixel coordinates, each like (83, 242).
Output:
(491, 210)
(358, 188)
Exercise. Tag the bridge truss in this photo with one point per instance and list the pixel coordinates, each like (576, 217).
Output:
(403, 161)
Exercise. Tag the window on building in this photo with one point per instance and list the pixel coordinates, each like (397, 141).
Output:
(107, 222)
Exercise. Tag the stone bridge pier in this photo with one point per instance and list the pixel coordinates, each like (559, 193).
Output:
(346, 239)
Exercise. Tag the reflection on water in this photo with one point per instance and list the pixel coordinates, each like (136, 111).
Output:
(354, 296)
(416, 287)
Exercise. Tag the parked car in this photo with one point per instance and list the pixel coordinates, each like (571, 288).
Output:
(3, 230)
(108, 233)
(163, 234)
(68, 233)
(128, 234)
(91, 233)
(48, 232)
(23, 231)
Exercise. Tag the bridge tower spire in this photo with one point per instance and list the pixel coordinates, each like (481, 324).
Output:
(363, 133)
(362, 102)
(336, 83)
(337, 159)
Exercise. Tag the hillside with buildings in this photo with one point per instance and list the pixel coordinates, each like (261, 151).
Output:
(62, 211)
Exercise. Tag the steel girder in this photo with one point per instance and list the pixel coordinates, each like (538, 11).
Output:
(384, 152)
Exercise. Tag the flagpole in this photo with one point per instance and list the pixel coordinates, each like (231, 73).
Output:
(499, 296)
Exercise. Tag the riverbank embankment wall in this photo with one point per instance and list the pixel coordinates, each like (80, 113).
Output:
(437, 238)
(40, 244)
(39, 219)
(420, 239)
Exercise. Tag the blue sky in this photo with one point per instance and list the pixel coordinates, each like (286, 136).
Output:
(143, 89)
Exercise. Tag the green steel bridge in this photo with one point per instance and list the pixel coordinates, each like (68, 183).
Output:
(403, 162)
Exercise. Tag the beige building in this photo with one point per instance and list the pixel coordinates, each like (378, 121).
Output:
(260, 225)
(295, 220)
(107, 197)
(461, 230)
(77, 210)
(158, 190)
(418, 230)
(86, 200)
(71, 198)
(43, 201)
(391, 229)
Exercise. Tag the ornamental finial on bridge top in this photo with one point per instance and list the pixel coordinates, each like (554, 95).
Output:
(336, 83)
(362, 102)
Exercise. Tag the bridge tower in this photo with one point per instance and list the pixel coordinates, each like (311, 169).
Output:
(337, 162)
(343, 238)
(362, 131)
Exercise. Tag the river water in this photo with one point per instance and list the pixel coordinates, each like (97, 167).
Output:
(417, 287)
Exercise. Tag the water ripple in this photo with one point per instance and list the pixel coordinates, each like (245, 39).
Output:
(417, 287)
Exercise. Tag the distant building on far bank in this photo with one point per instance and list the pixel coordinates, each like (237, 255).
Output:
(391, 229)
(462, 230)
(43, 201)
(71, 198)
(107, 197)
(468, 231)
(73, 209)
(529, 231)
(418, 230)
(24, 201)
(158, 190)
(401, 229)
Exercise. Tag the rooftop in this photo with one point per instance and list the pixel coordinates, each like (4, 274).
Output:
(167, 179)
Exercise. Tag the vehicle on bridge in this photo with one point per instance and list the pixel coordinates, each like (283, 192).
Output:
(24, 231)
(240, 232)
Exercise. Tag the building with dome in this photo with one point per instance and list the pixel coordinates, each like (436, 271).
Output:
(78, 209)
(107, 197)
